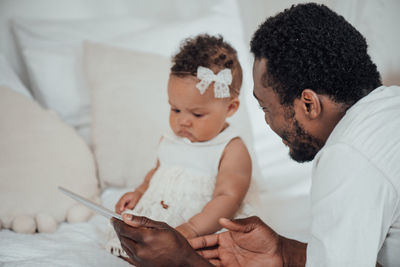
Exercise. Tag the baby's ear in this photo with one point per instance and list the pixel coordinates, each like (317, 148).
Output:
(233, 106)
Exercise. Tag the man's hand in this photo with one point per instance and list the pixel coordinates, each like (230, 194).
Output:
(249, 242)
(186, 230)
(152, 243)
(128, 201)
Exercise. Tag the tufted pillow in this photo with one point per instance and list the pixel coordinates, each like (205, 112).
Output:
(38, 153)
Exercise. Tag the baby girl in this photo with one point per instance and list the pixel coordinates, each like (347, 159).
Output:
(203, 169)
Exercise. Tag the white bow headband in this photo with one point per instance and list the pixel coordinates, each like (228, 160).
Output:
(221, 80)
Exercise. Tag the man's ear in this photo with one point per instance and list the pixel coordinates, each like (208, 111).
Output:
(233, 106)
(310, 104)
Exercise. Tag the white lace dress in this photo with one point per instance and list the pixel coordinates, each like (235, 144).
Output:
(184, 182)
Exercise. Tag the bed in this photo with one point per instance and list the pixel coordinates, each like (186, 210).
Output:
(56, 55)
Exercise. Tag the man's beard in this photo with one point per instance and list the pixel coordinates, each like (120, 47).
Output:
(303, 146)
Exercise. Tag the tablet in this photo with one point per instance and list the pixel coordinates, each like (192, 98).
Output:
(91, 205)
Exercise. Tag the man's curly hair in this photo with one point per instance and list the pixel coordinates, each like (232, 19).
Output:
(211, 52)
(310, 46)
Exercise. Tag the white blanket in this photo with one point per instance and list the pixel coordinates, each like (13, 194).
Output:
(80, 244)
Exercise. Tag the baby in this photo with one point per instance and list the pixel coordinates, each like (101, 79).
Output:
(203, 169)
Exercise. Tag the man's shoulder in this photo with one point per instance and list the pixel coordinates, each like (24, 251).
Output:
(372, 124)
(370, 132)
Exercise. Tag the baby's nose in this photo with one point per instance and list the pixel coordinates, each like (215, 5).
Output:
(185, 121)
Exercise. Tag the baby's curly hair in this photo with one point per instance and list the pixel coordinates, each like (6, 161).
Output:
(310, 46)
(211, 52)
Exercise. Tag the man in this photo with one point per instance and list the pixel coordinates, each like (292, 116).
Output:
(322, 95)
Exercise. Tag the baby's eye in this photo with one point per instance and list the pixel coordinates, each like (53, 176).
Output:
(197, 115)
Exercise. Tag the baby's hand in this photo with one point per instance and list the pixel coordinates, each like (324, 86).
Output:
(128, 201)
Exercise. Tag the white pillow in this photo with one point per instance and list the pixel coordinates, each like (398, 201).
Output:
(38, 153)
(10, 79)
(129, 109)
(52, 53)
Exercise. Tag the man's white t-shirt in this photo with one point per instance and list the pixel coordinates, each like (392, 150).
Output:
(355, 193)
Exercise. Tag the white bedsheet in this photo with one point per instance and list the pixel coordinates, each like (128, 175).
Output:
(80, 244)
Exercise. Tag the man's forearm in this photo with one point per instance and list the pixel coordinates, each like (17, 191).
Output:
(293, 252)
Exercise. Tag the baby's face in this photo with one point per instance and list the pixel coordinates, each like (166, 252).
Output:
(194, 116)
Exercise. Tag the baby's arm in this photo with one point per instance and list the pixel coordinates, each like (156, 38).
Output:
(130, 199)
(233, 181)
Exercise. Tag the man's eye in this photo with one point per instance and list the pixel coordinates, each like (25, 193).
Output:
(197, 115)
(263, 109)
(175, 110)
